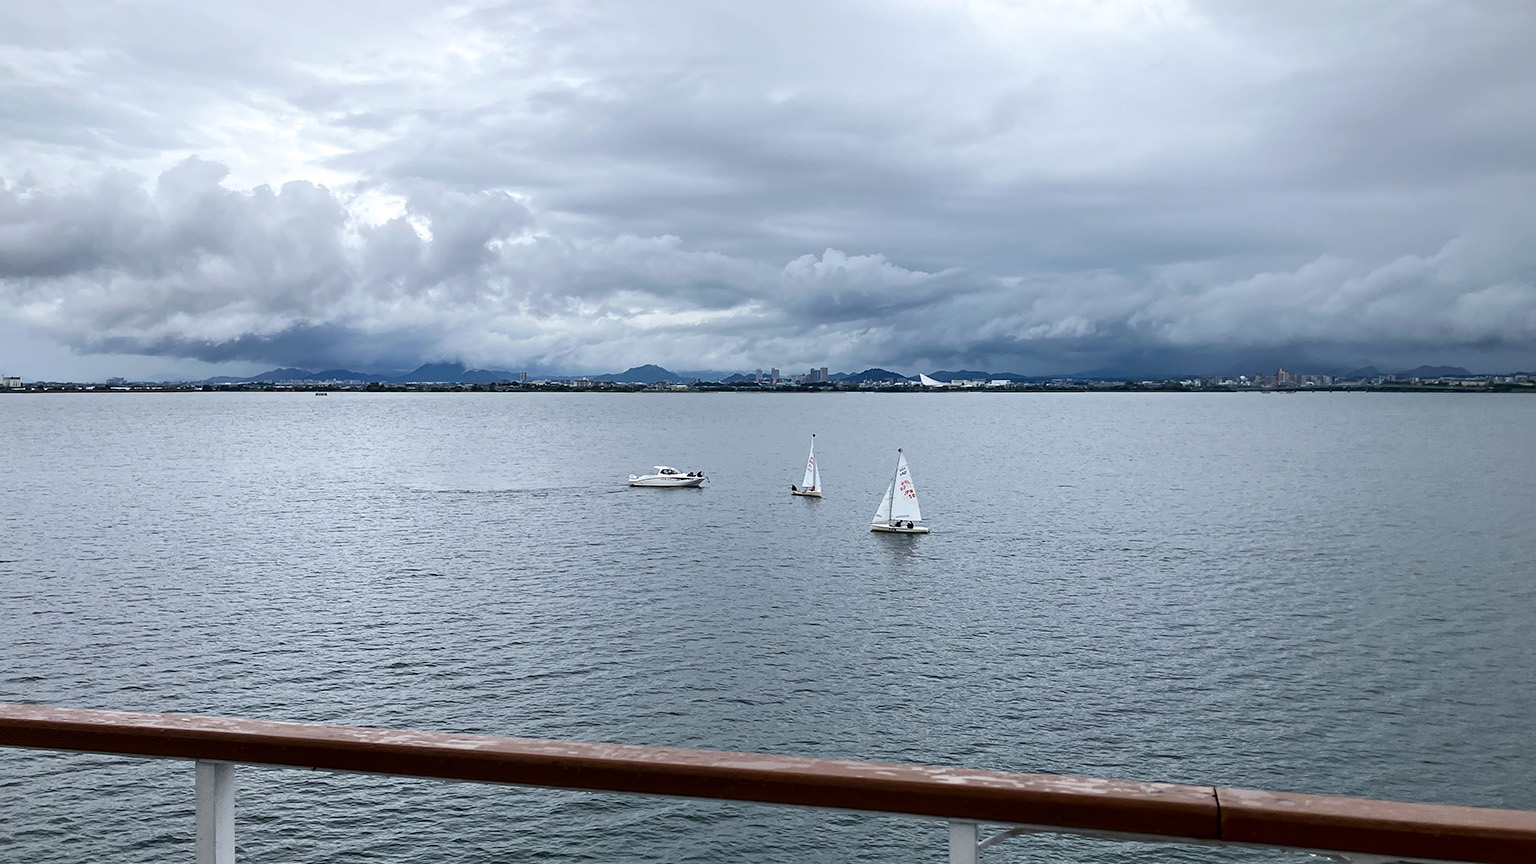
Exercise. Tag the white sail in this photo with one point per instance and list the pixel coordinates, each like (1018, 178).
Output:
(904, 494)
(812, 473)
(883, 515)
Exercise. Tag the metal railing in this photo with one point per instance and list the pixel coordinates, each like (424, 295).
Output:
(1353, 830)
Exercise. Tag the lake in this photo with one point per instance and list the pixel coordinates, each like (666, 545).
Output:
(1319, 592)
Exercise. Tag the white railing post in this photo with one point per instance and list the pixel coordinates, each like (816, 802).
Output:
(215, 812)
(962, 843)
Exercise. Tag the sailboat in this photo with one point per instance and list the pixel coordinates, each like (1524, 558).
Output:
(810, 487)
(898, 513)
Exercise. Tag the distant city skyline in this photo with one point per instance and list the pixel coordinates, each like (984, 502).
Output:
(1149, 186)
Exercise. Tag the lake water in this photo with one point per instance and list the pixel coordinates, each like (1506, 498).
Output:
(1329, 593)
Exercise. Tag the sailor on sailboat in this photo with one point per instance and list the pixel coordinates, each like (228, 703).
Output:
(810, 487)
(898, 513)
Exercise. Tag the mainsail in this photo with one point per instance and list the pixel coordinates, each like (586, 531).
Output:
(900, 501)
(904, 500)
(812, 473)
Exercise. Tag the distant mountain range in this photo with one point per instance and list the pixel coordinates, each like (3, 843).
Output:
(870, 376)
(290, 374)
(458, 373)
(449, 373)
(972, 375)
(1420, 372)
(647, 374)
(435, 373)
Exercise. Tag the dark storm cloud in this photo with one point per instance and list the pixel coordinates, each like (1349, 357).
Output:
(1036, 187)
(313, 347)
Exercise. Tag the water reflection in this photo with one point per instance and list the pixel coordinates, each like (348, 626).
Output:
(1299, 596)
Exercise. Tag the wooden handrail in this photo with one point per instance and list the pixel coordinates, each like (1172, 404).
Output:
(1177, 812)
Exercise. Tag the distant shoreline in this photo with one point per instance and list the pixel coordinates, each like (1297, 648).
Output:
(605, 387)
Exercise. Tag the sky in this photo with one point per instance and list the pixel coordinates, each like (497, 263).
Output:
(1042, 187)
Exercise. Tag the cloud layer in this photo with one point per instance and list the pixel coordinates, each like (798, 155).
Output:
(1038, 187)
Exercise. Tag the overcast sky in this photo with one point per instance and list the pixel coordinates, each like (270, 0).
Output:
(190, 188)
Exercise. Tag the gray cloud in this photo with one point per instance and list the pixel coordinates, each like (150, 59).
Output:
(1118, 185)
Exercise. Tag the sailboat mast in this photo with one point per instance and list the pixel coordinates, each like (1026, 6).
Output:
(815, 469)
(895, 475)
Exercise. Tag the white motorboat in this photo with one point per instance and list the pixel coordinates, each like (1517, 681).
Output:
(668, 478)
(898, 513)
(810, 487)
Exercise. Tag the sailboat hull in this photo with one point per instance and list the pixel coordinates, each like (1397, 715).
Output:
(883, 528)
(803, 494)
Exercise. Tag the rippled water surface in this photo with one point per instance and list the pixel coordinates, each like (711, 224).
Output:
(1317, 592)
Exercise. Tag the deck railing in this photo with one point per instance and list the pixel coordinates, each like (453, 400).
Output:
(1345, 829)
